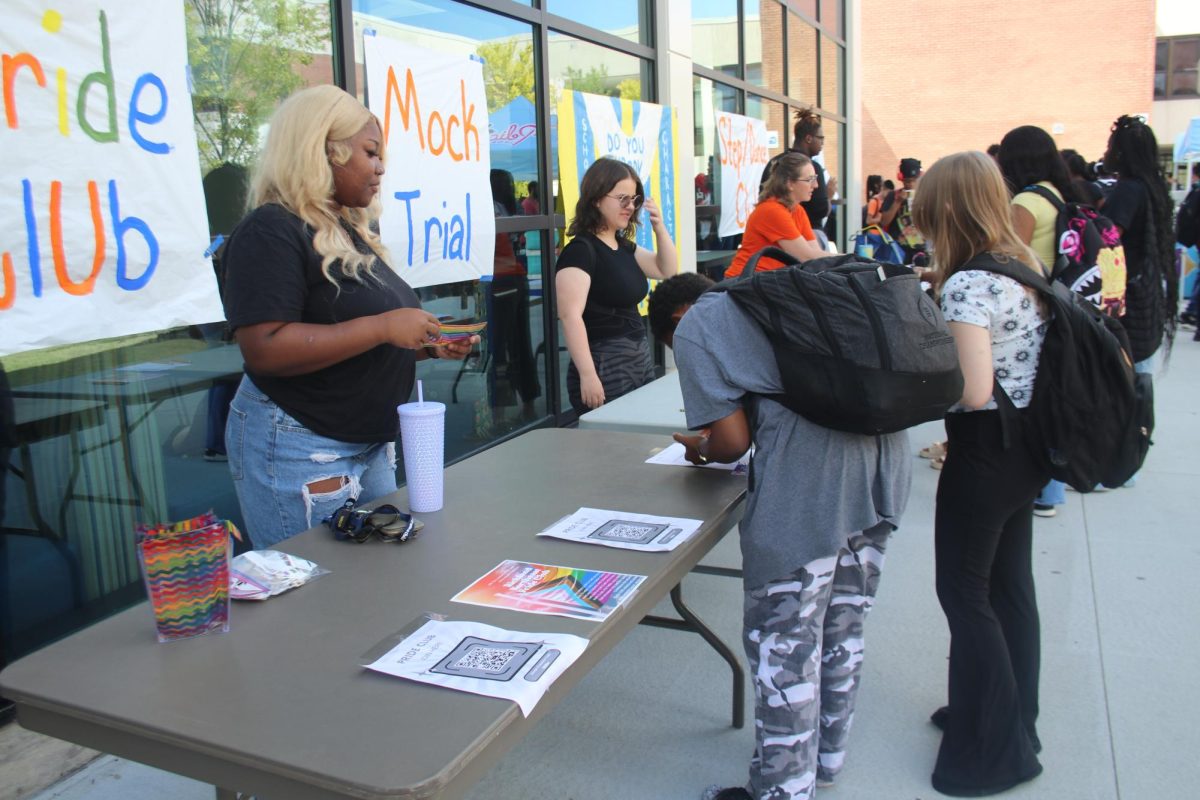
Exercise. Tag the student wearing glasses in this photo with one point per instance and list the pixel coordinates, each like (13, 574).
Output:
(779, 219)
(600, 280)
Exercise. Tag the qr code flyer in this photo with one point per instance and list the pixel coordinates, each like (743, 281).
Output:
(482, 659)
(623, 529)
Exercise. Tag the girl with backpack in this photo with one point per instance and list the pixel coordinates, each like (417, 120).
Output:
(1029, 158)
(1141, 208)
(983, 527)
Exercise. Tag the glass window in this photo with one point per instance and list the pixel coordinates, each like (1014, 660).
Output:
(775, 115)
(708, 97)
(802, 60)
(113, 432)
(832, 56)
(1185, 60)
(624, 18)
(762, 29)
(1161, 53)
(806, 7)
(832, 16)
(499, 388)
(831, 156)
(714, 35)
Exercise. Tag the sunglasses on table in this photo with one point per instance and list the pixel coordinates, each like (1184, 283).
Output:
(387, 522)
(626, 200)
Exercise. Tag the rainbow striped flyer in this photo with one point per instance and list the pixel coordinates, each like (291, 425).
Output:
(186, 569)
(547, 589)
(456, 331)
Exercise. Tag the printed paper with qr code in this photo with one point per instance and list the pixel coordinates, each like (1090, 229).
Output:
(547, 589)
(623, 529)
(482, 659)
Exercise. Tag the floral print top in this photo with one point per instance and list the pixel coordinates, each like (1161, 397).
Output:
(1015, 320)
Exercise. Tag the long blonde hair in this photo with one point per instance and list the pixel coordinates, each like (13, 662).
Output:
(962, 208)
(308, 135)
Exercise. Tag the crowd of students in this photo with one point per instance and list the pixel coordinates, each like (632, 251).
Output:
(813, 539)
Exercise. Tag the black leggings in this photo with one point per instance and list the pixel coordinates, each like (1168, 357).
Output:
(983, 534)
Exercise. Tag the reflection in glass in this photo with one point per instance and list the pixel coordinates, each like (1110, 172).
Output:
(832, 58)
(708, 98)
(714, 35)
(585, 67)
(802, 60)
(624, 18)
(807, 7)
(839, 220)
(775, 115)
(833, 16)
(497, 389)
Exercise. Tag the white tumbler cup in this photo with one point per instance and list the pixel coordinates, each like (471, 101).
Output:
(422, 434)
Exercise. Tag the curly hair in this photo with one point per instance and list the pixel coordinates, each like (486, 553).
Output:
(599, 180)
(1028, 155)
(308, 136)
(667, 298)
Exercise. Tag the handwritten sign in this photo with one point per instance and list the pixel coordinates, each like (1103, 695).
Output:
(102, 221)
(642, 135)
(742, 143)
(438, 219)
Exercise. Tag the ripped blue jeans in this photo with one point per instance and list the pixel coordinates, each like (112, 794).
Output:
(273, 458)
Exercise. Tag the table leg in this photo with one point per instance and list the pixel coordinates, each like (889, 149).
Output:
(690, 622)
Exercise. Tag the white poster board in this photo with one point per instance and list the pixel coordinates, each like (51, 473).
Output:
(103, 229)
(438, 219)
(742, 143)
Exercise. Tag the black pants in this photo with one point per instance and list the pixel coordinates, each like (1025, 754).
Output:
(983, 534)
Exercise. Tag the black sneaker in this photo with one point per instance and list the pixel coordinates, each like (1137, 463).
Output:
(1044, 510)
(732, 793)
(215, 455)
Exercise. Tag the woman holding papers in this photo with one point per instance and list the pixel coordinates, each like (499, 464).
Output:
(330, 334)
(601, 279)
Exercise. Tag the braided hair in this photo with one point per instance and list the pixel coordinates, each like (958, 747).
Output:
(1133, 155)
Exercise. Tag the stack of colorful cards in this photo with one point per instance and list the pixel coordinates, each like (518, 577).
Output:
(186, 568)
(454, 331)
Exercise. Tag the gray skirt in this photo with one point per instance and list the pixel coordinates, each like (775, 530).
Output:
(622, 365)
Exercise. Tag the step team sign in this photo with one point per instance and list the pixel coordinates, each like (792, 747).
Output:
(742, 142)
(103, 227)
(438, 220)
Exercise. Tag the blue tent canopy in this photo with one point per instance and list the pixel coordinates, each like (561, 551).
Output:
(513, 134)
(1187, 146)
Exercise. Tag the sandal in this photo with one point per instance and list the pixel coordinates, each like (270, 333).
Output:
(935, 450)
(938, 462)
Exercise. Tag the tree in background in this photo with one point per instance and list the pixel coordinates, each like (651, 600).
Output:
(507, 71)
(244, 56)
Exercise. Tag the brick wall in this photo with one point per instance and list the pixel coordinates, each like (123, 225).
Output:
(940, 77)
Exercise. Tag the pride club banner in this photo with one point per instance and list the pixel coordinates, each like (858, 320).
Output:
(742, 142)
(438, 219)
(642, 135)
(103, 227)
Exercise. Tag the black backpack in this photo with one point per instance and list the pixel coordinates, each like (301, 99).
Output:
(1090, 418)
(859, 346)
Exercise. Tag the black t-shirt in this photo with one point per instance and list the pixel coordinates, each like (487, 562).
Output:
(618, 285)
(273, 274)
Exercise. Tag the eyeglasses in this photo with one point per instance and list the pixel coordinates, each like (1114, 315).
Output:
(387, 522)
(625, 200)
(810, 179)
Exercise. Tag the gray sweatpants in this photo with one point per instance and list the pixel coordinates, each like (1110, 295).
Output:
(804, 639)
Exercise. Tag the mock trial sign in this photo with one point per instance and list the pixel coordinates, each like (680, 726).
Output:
(744, 153)
(102, 221)
(438, 220)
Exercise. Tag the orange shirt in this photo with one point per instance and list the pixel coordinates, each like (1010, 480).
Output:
(770, 223)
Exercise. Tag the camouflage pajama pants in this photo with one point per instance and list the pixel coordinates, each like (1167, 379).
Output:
(804, 639)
